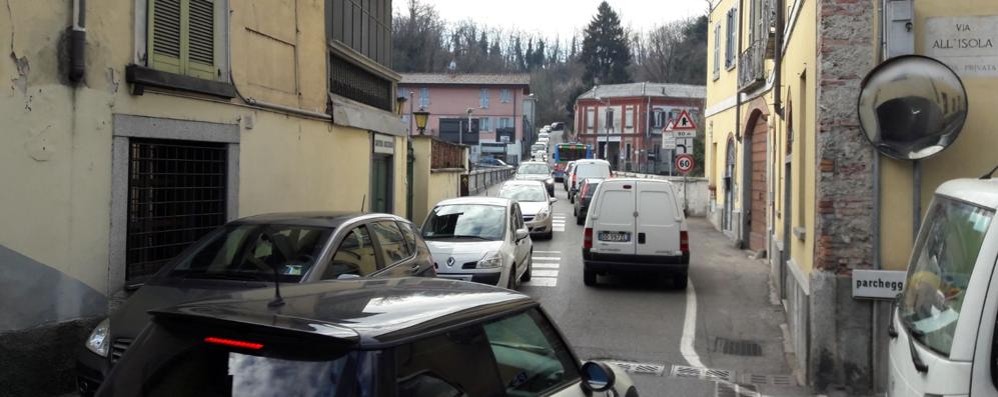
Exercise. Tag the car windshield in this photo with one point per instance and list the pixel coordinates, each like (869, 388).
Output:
(187, 363)
(253, 251)
(940, 270)
(475, 221)
(533, 169)
(523, 192)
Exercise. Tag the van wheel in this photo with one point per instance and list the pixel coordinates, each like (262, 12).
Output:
(589, 277)
(681, 281)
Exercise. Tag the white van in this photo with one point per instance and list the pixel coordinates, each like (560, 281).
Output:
(588, 168)
(942, 333)
(635, 225)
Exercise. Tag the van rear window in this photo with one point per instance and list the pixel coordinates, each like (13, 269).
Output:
(940, 270)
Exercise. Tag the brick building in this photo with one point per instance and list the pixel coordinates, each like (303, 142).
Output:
(624, 122)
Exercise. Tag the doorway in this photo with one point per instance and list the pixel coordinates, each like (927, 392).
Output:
(729, 184)
(758, 131)
(381, 183)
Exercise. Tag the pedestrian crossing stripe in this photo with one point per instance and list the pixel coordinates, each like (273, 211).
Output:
(542, 282)
(544, 273)
(546, 258)
(547, 252)
(544, 265)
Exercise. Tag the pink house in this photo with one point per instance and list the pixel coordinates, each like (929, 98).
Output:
(494, 104)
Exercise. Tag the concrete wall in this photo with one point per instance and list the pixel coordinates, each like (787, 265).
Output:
(691, 190)
(430, 186)
(59, 156)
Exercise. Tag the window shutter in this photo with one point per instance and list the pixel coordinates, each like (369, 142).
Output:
(201, 39)
(164, 35)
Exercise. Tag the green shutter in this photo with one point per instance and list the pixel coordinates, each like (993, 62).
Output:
(201, 39)
(182, 37)
(164, 35)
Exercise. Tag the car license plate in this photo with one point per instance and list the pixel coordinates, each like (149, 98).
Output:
(616, 237)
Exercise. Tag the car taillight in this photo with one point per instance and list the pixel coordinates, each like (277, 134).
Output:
(684, 241)
(233, 343)
(587, 238)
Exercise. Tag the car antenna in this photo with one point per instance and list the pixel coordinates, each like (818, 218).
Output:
(363, 201)
(278, 300)
(988, 175)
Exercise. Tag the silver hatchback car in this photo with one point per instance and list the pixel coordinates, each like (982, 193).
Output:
(481, 239)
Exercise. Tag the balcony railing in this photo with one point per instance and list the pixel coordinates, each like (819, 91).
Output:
(752, 66)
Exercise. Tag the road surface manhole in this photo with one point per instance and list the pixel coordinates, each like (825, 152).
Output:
(723, 389)
(737, 347)
(639, 368)
(682, 371)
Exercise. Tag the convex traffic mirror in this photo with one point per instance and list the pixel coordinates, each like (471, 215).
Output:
(912, 107)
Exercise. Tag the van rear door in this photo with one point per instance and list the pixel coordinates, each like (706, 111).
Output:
(659, 220)
(613, 220)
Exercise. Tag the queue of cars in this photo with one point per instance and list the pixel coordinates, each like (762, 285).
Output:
(213, 321)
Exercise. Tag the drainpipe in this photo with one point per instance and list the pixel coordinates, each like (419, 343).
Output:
(739, 135)
(778, 60)
(78, 41)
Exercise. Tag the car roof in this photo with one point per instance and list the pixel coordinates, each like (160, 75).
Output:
(497, 201)
(523, 182)
(982, 192)
(368, 314)
(591, 161)
(315, 219)
(592, 180)
(635, 180)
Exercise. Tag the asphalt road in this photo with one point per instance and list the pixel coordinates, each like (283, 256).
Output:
(640, 321)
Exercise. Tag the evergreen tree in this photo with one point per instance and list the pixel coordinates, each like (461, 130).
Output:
(605, 50)
(528, 58)
(520, 65)
(538, 61)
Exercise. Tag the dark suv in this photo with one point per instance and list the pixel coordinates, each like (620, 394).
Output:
(246, 254)
(389, 337)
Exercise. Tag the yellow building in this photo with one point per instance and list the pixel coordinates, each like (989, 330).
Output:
(149, 122)
(793, 176)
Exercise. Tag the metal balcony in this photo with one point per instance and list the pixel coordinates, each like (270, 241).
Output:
(752, 66)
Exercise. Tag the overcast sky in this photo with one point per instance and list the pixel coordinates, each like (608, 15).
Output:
(551, 18)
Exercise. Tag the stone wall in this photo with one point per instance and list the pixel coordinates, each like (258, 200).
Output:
(839, 352)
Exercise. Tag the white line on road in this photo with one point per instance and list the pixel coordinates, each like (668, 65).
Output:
(545, 258)
(542, 282)
(537, 265)
(547, 252)
(690, 328)
(544, 273)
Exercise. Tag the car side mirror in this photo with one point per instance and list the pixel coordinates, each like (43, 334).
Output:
(347, 276)
(554, 199)
(522, 234)
(597, 376)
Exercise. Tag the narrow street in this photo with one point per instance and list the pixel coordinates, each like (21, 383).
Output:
(640, 323)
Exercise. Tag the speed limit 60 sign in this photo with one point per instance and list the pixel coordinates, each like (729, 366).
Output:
(685, 163)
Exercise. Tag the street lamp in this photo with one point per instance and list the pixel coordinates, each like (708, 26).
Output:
(421, 117)
(606, 123)
(460, 137)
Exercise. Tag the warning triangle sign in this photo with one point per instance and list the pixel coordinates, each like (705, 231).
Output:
(684, 123)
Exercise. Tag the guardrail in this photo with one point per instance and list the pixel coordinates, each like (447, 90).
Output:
(480, 179)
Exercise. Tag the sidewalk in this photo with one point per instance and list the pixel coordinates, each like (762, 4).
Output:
(739, 322)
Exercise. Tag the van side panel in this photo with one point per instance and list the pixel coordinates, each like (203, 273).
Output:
(615, 214)
(657, 220)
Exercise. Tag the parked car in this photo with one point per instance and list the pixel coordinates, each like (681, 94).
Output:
(544, 135)
(569, 167)
(481, 239)
(536, 171)
(491, 162)
(536, 203)
(942, 331)
(635, 225)
(589, 168)
(245, 254)
(394, 337)
(586, 192)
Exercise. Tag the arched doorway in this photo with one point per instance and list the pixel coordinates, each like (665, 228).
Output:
(757, 130)
(729, 183)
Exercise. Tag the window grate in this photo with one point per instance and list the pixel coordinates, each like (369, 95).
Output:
(353, 82)
(176, 194)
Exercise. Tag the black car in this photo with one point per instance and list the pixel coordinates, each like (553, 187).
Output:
(388, 337)
(246, 254)
(588, 187)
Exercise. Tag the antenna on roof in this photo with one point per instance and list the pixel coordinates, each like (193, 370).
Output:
(278, 300)
(988, 175)
(363, 201)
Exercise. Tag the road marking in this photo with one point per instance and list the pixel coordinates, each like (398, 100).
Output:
(536, 265)
(690, 328)
(542, 282)
(547, 252)
(546, 258)
(545, 273)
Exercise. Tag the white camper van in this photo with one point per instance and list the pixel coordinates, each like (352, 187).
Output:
(943, 339)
